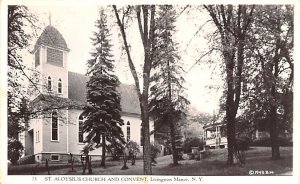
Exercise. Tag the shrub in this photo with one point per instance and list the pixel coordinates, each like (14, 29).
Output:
(192, 142)
(15, 149)
(243, 143)
(116, 153)
(155, 149)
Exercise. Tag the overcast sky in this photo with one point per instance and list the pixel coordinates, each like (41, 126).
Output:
(76, 24)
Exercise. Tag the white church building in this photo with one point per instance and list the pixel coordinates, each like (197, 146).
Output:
(55, 136)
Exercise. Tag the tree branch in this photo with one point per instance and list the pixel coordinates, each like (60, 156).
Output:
(27, 76)
(138, 13)
(131, 65)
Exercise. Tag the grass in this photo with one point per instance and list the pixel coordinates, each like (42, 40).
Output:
(257, 159)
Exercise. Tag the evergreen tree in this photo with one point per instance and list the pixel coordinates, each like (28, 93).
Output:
(103, 112)
(167, 103)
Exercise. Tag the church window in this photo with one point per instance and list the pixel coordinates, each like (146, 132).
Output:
(37, 58)
(80, 129)
(49, 84)
(128, 131)
(55, 57)
(54, 127)
(59, 86)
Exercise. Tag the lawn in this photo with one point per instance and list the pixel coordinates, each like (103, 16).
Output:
(257, 159)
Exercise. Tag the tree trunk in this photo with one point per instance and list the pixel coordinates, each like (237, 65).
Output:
(174, 151)
(230, 106)
(274, 135)
(172, 128)
(273, 113)
(103, 151)
(147, 36)
(90, 164)
(146, 133)
(231, 139)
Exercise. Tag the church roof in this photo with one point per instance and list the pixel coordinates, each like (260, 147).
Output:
(51, 37)
(77, 92)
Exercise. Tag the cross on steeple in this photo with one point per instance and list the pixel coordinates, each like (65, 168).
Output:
(49, 18)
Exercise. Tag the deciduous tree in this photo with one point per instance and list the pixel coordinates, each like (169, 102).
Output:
(145, 15)
(233, 24)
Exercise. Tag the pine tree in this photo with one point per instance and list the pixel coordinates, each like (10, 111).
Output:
(103, 112)
(167, 102)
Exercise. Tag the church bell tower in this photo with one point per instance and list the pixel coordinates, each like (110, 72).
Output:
(51, 62)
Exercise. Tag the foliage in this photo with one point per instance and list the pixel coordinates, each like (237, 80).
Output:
(15, 149)
(243, 143)
(202, 118)
(18, 119)
(103, 119)
(133, 147)
(192, 142)
(244, 127)
(167, 100)
(268, 82)
(18, 18)
(232, 26)
(116, 153)
(155, 150)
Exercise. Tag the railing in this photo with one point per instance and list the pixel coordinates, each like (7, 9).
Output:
(216, 142)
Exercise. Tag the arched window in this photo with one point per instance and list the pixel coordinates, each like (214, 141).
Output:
(80, 129)
(49, 84)
(54, 127)
(128, 131)
(59, 86)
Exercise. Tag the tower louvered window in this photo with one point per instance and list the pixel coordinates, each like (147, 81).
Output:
(55, 57)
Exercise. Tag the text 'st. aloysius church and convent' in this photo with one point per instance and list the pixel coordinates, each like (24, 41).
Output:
(56, 136)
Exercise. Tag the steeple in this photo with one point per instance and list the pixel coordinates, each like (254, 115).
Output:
(51, 52)
(49, 18)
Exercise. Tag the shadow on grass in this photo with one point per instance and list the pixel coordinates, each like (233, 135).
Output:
(220, 167)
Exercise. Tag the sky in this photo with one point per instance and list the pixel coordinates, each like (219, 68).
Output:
(76, 24)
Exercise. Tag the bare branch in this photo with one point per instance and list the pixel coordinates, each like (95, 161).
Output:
(138, 13)
(205, 54)
(185, 8)
(131, 65)
(27, 75)
(198, 31)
